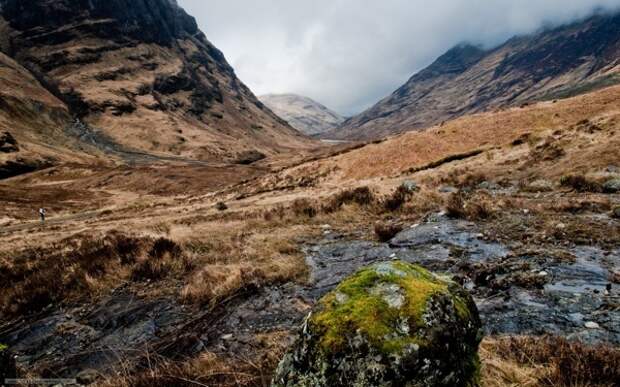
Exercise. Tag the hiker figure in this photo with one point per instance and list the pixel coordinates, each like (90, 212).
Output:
(42, 212)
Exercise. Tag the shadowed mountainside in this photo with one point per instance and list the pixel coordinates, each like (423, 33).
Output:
(556, 63)
(143, 73)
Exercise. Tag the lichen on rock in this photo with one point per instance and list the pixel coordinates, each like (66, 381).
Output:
(390, 324)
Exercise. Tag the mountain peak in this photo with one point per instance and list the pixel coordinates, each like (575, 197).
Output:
(458, 59)
(302, 113)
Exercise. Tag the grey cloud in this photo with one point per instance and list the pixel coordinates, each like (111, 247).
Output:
(348, 54)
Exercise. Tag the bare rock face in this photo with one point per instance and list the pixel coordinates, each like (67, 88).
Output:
(144, 74)
(157, 21)
(302, 113)
(391, 324)
(555, 63)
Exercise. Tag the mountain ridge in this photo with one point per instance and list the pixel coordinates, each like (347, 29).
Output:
(142, 73)
(552, 63)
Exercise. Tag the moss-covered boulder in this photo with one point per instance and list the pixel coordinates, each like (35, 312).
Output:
(7, 364)
(391, 324)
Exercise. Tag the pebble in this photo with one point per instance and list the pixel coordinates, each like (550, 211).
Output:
(592, 325)
(227, 337)
(543, 274)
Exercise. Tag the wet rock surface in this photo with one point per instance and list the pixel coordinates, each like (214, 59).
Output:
(517, 292)
(566, 291)
(66, 343)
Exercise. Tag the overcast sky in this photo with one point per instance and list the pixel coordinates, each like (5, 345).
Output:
(348, 54)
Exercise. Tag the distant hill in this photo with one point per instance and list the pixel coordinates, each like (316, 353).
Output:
(551, 64)
(142, 74)
(303, 113)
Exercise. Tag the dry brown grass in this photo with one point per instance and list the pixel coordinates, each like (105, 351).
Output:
(81, 267)
(304, 208)
(397, 199)
(465, 134)
(580, 183)
(548, 361)
(236, 254)
(211, 369)
(387, 231)
(506, 362)
(362, 196)
(164, 257)
(472, 207)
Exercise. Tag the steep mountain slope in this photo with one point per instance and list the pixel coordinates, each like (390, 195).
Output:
(303, 113)
(144, 74)
(31, 124)
(551, 64)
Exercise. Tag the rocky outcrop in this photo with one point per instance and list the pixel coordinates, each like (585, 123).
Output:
(554, 63)
(391, 324)
(303, 113)
(144, 74)
(8, 144)
(249, 157)
(152, 21)
(22, 165)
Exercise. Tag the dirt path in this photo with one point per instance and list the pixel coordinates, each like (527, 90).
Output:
(49, 221)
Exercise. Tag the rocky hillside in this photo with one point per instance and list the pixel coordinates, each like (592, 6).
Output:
(144, 75)
(303, 113)
(551, 64)
(32, 122)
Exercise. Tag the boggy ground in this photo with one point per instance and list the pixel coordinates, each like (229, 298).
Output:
(165, 274)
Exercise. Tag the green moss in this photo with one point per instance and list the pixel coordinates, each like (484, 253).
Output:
(461, 307)
(477, 372)
(355, 307)
(3, 347)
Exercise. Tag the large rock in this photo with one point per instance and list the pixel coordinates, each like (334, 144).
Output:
(612, 186)
(7, 364)
(391, 324)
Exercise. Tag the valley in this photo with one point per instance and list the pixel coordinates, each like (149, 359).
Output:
(192, 232)
(229, 286)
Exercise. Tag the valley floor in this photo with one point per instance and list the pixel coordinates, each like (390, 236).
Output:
(200, 275)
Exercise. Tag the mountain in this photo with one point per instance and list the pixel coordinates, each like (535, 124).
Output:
(303, 113)
(553, 63)
(32, 122)
(141, 75)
